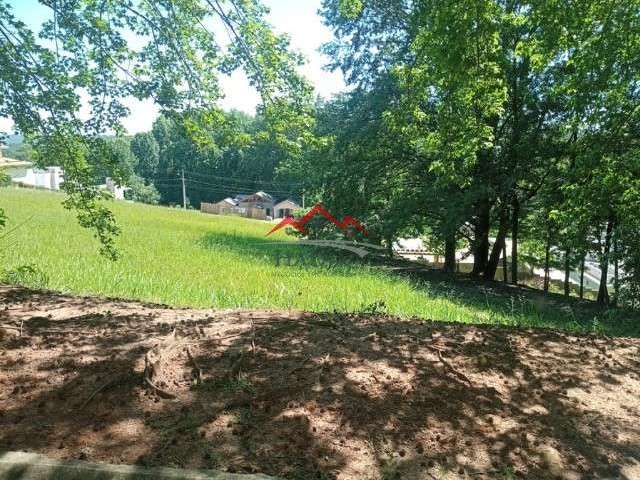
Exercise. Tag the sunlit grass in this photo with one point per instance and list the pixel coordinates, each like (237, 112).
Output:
(185, 258)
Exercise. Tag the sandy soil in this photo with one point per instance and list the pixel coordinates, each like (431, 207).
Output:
(313, 396)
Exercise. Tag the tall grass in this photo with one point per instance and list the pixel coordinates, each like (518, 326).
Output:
(186, 258)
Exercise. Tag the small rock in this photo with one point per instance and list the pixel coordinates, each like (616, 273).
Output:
(552, 460)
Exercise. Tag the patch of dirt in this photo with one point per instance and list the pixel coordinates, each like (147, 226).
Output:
(312, 396)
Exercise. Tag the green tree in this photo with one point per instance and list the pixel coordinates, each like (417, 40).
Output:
(513, 112)
(139, 191)
(146, 150)
(20, 151)
(87, 46)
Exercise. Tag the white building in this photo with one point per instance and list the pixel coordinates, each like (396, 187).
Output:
(22, 173)
(50, 178)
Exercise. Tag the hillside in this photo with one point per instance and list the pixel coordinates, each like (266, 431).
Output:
(190, 259)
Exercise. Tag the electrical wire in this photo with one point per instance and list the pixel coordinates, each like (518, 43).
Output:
(236, 188)
(244, 180)
(246, 187)
(221, 190)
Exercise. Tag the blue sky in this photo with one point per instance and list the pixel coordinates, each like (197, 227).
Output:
(297, 18)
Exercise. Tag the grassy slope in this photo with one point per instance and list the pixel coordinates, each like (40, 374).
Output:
(191, 259)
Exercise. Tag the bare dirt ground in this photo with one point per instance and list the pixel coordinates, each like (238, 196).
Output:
(313, 396)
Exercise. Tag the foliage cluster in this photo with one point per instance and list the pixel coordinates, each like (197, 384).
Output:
(489, 120)
(164, 50)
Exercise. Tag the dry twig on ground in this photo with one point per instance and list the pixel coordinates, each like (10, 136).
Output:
(102, 387)
(449, 367)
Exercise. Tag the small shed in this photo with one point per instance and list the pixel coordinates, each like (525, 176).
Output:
(227, 206)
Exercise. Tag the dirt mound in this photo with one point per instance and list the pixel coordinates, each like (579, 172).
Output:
(306, 396)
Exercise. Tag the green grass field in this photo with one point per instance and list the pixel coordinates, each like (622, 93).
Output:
(185, 258)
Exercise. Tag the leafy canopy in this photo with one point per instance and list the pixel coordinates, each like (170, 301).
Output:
(170, 51)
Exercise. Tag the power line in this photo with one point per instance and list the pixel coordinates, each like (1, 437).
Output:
(228, 191)
(184, 192)
(175, 183)
(243, 180)
(238, 179)
(246, 186)
(236, 188)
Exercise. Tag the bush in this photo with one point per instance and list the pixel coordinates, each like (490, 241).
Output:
(140, 192)
(5, 180)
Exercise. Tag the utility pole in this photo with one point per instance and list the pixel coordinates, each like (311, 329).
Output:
(184, 192)
(303, 200)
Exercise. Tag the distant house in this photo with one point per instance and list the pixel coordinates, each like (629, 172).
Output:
(50, 178)
(260, 205)
(259, 201)
(228, 206)
(21, 173)
(285, 208)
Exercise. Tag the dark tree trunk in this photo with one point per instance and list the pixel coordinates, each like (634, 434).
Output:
(603, 291)
(616, 279)
(547, 254)
(481, 240)
(567, 272)
(389, 245)
(582, 276)
(505, 275)
(498, 247)
(515, 218)
(450, 254)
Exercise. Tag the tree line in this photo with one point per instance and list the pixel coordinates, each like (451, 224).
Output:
(480, 119)
(235, 156)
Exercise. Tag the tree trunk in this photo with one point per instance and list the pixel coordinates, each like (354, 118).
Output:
(389, 245)
(567, 272)
(505, 276)
(481, 240)
(603, 292)
(450, 254)
(616, 279)
(547, 253)
(515, 219)
(582, 276)
(498, 247)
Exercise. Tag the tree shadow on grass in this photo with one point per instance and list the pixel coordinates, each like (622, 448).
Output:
(306, 396)
(497, 302)
(281, 252)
